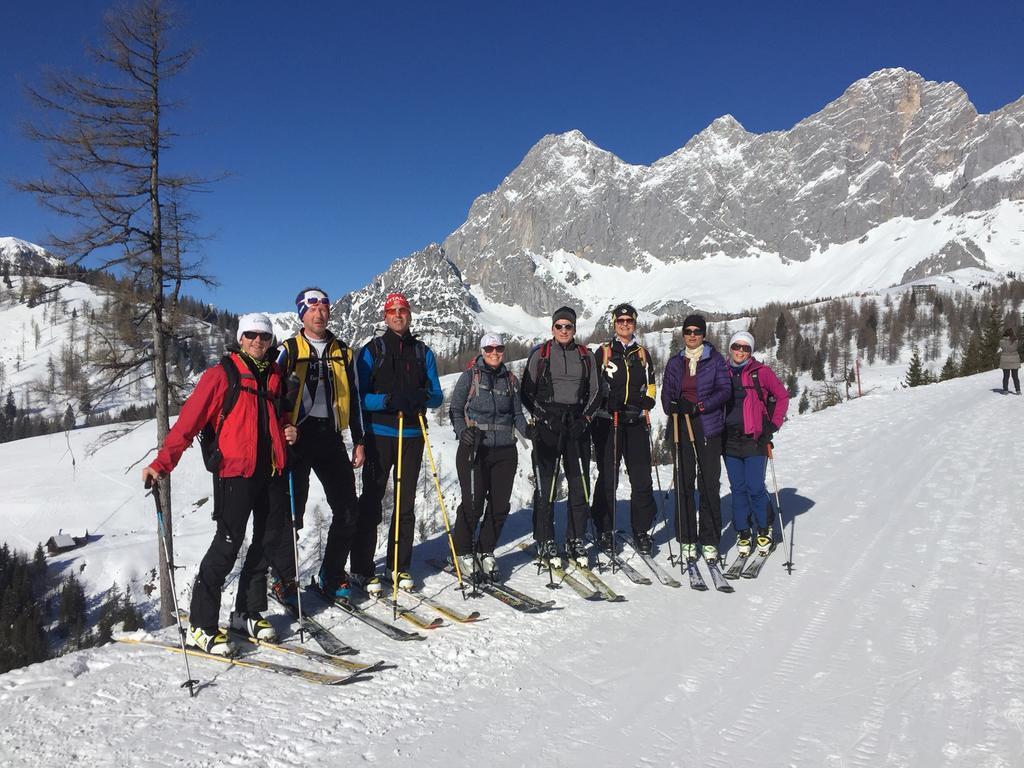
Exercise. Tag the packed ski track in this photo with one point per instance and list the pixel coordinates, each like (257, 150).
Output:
(894, 642)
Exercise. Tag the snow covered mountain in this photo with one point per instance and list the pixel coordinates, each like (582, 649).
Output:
(899, 178)
(895, 641)
(21, 257)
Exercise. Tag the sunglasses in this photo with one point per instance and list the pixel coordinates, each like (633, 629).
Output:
(398, 311)
(490, 350)
(261, 335)
(692, 332)
(564, 327)
(740, 348)
(312, 301)
(624, 321)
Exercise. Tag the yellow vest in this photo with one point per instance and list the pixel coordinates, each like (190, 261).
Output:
(338, 360)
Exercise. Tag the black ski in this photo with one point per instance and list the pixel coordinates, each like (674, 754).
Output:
(389, 630)
(618, 562)
(329, 642)
(696, 580)
(660, 573)
(717, 577)
(751, 571)
(736, 567)
(513, 598)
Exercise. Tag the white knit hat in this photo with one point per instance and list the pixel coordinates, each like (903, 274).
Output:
(254, 321)
(491, 340)
(743, 337)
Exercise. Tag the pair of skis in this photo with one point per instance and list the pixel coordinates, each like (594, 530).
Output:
(511, 597)
(717, 577)
(592, 587)
(741, 569)
(247, 662)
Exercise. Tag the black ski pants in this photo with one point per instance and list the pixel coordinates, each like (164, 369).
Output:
(632, 446)
(707, 482)
(551, 449)
(488, 481)
(321, 449)
(266, 497)
(381, 464)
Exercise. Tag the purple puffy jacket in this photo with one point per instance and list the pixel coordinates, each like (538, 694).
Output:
(714, 388)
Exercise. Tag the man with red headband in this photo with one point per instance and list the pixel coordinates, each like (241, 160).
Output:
(325, 402)
(397, 374)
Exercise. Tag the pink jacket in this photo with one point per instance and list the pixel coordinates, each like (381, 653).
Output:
(754, 410)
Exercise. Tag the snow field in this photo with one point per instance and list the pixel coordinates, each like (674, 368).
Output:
(895, 641)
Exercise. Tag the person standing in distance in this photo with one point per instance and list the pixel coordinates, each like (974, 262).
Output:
(620, 431)
(326, 403)
(561, 390)
(397, 374)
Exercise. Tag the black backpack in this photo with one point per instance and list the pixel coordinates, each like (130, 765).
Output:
(209, 435)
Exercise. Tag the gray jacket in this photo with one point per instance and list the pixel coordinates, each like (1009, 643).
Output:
(496, 408)
(567, 383)
(1008, 355)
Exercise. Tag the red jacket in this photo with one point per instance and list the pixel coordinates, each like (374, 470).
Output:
(754, 410)
(238, 437)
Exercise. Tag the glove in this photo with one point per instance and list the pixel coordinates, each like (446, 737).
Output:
(400, 401)
(418, 398)
(470, 437)
(531, 431)
(766, 437)
(685, 408)
(577, 428)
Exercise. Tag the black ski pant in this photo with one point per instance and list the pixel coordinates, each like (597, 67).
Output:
(632, 446)
(381, 463)
(321, 449)
(556, 448)
(487, 481)
(687, 479)
(266, 497)
(1007, 372)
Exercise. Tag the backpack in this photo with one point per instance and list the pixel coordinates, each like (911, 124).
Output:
(474, 388)
(378, 352)
(769, 403)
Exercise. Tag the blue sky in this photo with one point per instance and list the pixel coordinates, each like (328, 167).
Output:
(354, 134)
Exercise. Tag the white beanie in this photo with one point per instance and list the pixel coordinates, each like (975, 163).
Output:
(743, 337)
(254, 321)
(491, 340)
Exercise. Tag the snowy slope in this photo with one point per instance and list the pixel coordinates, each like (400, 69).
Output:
(894, 642)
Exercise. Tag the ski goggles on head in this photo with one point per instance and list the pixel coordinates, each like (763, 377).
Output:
(311, 298)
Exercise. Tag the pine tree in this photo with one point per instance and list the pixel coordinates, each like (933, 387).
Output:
(916, 375)
(950, 369)
(805, 402)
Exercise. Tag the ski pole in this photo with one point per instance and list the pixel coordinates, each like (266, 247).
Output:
(778, 505)
(697, 471)
(676, 473)
(295, 553)
(615, 478)
(396, 517)
(657, 475)
(472, 506)
(440, 500)
(190, 682)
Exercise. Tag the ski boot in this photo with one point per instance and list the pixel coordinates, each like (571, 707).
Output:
(743, 538)
(371, 585)
(548, 550)
(405, 582)
(606, 542)
(339, 587)
(710, 554)
(253, 625)
(211, 641)
(470, 568)
(642, 543)
(286, 592)
(576, 549)
(489, 568)
(688, 552)
(764, 540)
